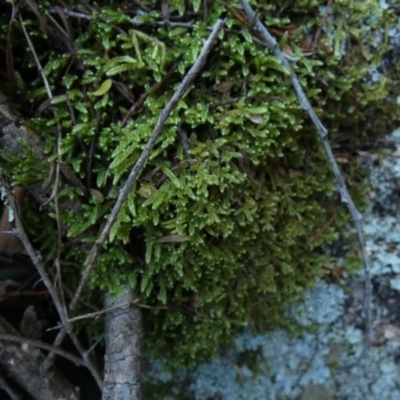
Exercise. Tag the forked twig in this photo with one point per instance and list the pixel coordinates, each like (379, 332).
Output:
(137, 168)
(10, 201)
(323, 133)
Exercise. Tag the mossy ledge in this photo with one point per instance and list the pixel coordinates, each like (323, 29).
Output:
(226, 238)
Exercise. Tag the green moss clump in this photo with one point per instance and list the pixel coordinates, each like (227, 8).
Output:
(225, 239)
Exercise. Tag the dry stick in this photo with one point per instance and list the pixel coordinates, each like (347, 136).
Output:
(82, 15)
(309, 363)
(321, 24)
(98, 313)
(144, 95)
(340, 184)
(137, 168)
(185, 143)
(61, 335)
(59, 302)
(36, 260)
(8, 389)
(48, 361)
(21, 293)
(39, 66)
(106, 310)
(37, 343)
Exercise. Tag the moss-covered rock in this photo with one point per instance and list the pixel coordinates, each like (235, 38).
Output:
(224, 238)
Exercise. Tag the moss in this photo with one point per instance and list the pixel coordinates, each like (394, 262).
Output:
(227, 239)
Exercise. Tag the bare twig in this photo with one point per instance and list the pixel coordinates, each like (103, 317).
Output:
(235, 367)
(104, 311)
(9, 47)
(21, 293)
(41, 345)
(60, 337)
(37, 261)
(57, 210)
(39, 66)
(137, 168)
(185, 143)
(91, 348)
(93, 143)
(48, 361)
(321, 25)
(323, 133)
(309, 363)
(8, 389)
(81, 15)
(144, 95)
(97, 313)
(190, 24)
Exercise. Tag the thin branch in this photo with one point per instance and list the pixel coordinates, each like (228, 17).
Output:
(8, 389)
(91, 348)
(48, 361)
(57, 212)
(37, 262)
(39, 66)
(101, 312)
(37, 343)
(133, 21)
(9, 48)
(309, 363)
(21, 293)
(235, 367)
(321, 25)
(97, 313)
(185, 143)
(137, 168)
(323, 133)
(190, 24)
(75, 14)
(144, 95)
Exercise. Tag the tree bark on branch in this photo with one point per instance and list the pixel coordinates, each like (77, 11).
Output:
(123, 336)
